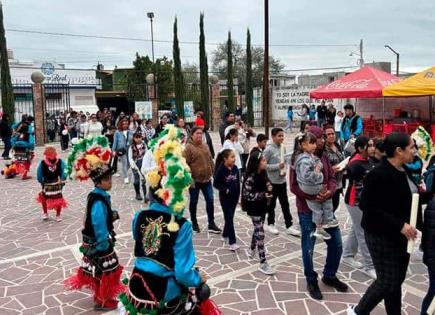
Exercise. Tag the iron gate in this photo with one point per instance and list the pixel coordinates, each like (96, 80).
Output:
(23, 96)
(56, 102)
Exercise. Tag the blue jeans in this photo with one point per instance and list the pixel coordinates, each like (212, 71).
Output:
(207, 191)
(431, 292)
(334, 249)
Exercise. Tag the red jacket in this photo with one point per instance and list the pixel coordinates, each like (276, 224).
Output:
(301, 197)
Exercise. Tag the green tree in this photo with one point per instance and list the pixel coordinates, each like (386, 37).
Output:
(230, 74)
(8, 101)
(219, 63)
(178, 74)
(165, 80)
(205, 106)
(136, 78)
(249, 86)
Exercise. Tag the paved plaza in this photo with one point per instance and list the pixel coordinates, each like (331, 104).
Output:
(36, 256)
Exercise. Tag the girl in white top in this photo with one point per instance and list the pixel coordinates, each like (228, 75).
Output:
(233, 143)
(338, 121)
(95, 128)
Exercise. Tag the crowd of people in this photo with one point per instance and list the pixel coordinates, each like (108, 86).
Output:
(330, 158)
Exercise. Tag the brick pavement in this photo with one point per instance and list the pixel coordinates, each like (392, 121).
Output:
(36, 256)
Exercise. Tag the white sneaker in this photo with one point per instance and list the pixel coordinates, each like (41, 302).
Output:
(266, 269)
(321, 233)
(117, 175)
(331, 224)
(234, 247)
(293, 231)
(350, 311)
(352, 262)
(58, 218)
(252, 254)
(272, 229)
(370, 272)
(44, 216)
(126, 181)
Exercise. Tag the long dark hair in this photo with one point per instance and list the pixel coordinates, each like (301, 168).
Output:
(231, 132)
(253, 163)
(220, 159)
(360, 142)
(395, 140)
(301, 138)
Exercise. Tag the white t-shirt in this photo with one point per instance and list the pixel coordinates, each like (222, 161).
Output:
(95, 129)
(237, 148)
(337, 123)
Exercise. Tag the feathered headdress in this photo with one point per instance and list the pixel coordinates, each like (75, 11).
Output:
(90, 158)
(172, 178)
(424, 143)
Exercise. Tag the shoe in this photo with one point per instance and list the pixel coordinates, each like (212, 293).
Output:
(126, 181)
(225, 240)
(234, 247)
(321, 233)
(58, 218)
(352, 262)
(44, 216)
(314, 290)
(351, 310)
(146, 200)
(27, 177)
(335, 283)
(266, 269)
(370, 272)
(109, 305)
(293, 231)
(117, 175)
(252, 254)
(195, 228)
(331, 224)
(272, 229)
(139, 197)
(212, 228)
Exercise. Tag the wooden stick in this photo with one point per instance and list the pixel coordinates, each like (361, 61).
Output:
(413, 221)
(282, 171)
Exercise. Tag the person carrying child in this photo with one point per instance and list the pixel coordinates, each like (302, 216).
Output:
(227, 181)
(136, 153)
(256, 193)
(311, 181)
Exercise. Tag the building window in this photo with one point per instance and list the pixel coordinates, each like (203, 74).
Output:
(84, 100)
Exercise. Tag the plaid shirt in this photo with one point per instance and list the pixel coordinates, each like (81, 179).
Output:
(148, 133)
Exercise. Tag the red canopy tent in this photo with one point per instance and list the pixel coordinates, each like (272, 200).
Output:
(366, 82)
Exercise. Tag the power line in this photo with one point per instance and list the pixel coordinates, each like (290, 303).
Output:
(162, 41)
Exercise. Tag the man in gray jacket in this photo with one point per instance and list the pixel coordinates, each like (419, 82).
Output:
(276, 167)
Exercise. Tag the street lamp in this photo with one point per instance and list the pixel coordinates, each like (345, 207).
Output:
(397, 58)
(150, 15)
(266, 69)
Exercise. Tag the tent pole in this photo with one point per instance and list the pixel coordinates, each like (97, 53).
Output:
(383, 112)
(430, 110)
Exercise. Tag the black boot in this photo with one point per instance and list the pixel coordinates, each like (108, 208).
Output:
(145, 198)
(137, 190)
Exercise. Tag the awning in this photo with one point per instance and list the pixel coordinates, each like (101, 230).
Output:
(421, 84)
(366, 82)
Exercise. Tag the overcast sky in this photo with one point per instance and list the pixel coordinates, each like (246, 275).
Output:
(407, 26)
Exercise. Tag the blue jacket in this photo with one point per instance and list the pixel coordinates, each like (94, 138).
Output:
(25, 144)
(99, 220)
(184, 273)
(351, 127)
(290, 115)
(121, 142)
(40, 176)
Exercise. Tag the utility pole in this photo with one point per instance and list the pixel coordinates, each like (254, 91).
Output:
(397, 58)
(150, 15)
(266, 69)
(361, 53)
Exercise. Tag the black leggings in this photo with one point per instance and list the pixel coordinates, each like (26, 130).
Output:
(391, 262)
(258, 237)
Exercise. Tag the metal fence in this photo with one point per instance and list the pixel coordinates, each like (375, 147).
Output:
(23, 95)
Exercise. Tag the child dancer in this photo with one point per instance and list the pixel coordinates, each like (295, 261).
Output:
(227, 181)
(256, 191)
(136, 153)
(310, 179)
(100, 270)
(51, 175)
